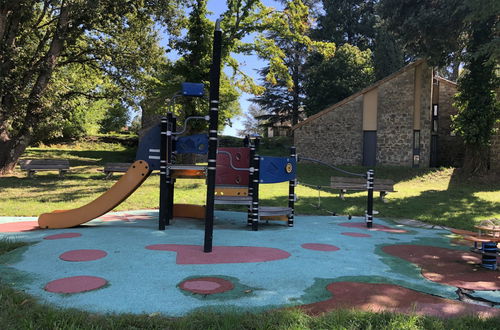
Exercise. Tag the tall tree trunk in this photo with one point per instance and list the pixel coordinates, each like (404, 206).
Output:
(10, 151)
(13, 146)
(476, 159)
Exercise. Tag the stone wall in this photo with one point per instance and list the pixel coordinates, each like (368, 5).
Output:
(395, 120)
(336, 134)
(450, 147)
(335, 137)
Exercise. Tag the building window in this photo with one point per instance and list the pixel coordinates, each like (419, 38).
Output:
(435, 115)
(416, 148)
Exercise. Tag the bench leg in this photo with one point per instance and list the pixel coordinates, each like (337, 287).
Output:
(61, 173)
(342, 194)
(108, 175)
(382, 196)
(31, 174)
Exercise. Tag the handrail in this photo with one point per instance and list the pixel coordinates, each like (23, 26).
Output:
(184, 129)
(231, 161)
(331, 166)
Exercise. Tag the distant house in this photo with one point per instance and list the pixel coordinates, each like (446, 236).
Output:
(403, 119)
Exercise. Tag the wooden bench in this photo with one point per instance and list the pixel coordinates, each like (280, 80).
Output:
(34, 165)
(110, 168)
(344, 184)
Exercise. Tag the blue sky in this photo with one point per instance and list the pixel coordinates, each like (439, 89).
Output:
(249, 63)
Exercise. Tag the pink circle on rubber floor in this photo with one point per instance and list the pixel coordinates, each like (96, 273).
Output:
(75, 284)
(320, 247)
(20, 226)
(356, 234)
(63, 235)
(83, 255)
(206, 285)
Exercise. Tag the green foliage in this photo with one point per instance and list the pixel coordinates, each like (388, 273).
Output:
(115, 119)
(55, 56)
(331, 80)
(476, 101)
(440, 30)
(348, 21)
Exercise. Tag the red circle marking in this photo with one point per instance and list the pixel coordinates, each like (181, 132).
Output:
(206, 285)
(356, 234)
(75, 284)
(320, 247)
(83, 255)
(64, 235)
(16, 227)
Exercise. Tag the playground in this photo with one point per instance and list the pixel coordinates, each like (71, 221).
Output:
(183, 257)
(121, 263)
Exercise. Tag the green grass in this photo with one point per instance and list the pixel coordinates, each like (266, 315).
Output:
(436, 196)
(432, 195)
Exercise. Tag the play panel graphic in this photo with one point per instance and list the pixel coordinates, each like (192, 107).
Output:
(121, 263)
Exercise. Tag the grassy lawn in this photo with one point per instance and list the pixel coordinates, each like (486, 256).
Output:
(436, 196)
(431, 195)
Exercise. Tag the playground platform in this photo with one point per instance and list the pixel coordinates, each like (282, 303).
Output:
(121, 263)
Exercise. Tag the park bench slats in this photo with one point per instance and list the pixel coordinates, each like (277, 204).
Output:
(344, 184)
(110, 168)
(34, 165)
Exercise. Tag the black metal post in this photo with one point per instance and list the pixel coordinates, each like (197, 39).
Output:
(255, 193)
(369, 208)
(212, 137)
(168, 180)
(163, 173)
(291, 190)
(250, 181)
(170, 201)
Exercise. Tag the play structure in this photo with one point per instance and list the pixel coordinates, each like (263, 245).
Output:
(233, 174)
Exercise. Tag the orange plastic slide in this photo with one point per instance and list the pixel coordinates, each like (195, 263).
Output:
(128, 183)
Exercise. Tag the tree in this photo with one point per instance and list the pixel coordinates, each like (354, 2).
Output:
(348, 21)
(357, 22)
(252, 125)
(39, 38)
(439, 30)
(286, 45)
(330, 81)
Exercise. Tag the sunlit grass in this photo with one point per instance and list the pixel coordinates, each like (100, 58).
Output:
(436, 196)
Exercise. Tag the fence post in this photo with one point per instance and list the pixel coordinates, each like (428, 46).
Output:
(369, 208)
(291, 189)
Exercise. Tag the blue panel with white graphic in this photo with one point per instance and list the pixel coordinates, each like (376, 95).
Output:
(192, 144)
(277, 169)
(193, 89)
(149, 148)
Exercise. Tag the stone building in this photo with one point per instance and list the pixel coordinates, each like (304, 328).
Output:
(403, 119)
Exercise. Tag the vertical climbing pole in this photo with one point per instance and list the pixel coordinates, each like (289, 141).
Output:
(255, 192)
(212, 136)
(168, 187)
(171, 160)
(291, 190)
(369, 208)
(163, 173)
